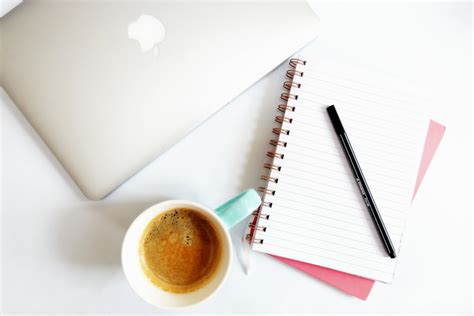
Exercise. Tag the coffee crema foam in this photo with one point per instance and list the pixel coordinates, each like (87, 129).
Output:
(180, 250)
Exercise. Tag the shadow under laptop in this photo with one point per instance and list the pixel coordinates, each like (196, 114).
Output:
(91, 236)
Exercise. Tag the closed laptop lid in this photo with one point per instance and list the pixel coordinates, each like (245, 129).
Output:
(111, 85)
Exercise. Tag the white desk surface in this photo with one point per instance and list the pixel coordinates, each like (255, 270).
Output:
(61, 252)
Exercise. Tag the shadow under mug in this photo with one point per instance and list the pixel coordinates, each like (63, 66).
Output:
(223, 218)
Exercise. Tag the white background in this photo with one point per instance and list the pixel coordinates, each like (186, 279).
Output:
(61, 252)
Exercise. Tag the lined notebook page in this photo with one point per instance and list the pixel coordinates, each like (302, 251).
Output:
(317, 214)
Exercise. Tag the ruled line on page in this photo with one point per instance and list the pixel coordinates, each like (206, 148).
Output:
(332, 258)
(312, 219)
(364, 242)
(372, 150)
(291, 175)
(330, 242)
(316, 121)
(391, 178)
(325, 225)
(347, 86)
(341, 176)
(361, 223)
(343, 102)
(344, 93)
(333, 251)
(315, 83)
(315, 206)
(340, 156)
(282, 210)
(329, 153)
(306, 187)
(335, 191)
(309, 220)
(339, 198)
(295, 126)
(362, 125)
(353, 206)
(372, 180)
(313, 125)
(326, 147)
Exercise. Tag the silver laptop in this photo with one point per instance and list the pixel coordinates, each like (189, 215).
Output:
(109, 86)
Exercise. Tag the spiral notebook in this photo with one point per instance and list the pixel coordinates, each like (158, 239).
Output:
(312, 209)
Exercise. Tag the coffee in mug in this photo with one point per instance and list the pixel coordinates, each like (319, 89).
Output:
(180, 250)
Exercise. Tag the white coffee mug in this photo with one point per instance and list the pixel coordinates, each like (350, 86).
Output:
(223, 218)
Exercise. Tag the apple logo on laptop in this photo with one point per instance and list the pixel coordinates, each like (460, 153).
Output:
(148, 31)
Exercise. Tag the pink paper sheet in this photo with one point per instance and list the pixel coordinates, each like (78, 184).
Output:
(358, 286)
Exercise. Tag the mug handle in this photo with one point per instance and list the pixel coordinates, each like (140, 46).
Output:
(239, 207)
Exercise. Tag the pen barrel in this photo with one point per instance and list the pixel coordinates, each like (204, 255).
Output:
(369, 201)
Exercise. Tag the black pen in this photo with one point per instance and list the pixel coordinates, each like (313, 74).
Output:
(360, 181)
